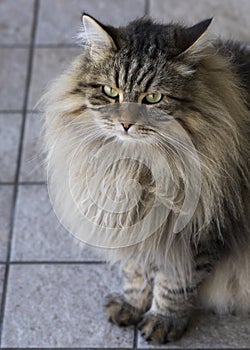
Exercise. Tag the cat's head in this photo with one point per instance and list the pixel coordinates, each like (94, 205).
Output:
(140, 75)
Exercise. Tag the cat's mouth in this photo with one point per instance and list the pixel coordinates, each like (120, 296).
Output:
(127, 131)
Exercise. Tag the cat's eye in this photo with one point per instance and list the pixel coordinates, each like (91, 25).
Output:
(153, 98)
(110, 92)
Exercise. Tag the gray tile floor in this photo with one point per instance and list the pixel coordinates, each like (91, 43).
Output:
(51, 288)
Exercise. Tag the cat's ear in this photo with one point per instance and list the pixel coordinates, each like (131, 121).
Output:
(191, 38)
(95, 36)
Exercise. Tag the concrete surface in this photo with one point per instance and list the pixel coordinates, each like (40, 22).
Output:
(13, 64)
(51, 288)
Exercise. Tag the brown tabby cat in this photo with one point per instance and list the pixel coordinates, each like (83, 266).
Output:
(148, 157)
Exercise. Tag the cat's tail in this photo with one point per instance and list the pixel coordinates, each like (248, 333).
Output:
(228, 288)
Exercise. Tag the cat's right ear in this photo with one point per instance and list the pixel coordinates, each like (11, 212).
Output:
(95, 37)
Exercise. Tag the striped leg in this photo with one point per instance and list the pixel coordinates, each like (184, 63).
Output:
(168, 316)
(172, 303)
(128, 308)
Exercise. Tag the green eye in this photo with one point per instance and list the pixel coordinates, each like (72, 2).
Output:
(110, 92)
(153, 98)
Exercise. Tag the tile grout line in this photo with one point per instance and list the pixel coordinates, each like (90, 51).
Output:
(23, 183)
(58, 262)
(146, 9)
(14, 198)
(54, 262)
(19, 111)
(41, 46)
(135, 343)
(31, 183)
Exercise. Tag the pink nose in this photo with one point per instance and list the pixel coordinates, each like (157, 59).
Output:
(126, 126)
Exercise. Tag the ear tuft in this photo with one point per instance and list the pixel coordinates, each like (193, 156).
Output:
(95, 36)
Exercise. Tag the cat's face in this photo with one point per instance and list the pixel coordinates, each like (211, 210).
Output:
(136, 81)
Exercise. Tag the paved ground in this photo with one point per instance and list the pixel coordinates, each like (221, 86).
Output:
(51, 288)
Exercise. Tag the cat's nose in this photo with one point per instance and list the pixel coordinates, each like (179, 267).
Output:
(126, 126)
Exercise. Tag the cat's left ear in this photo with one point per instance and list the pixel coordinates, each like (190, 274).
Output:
(95, 36)
(191, 38)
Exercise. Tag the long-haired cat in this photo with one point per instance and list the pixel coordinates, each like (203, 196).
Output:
(148, 157)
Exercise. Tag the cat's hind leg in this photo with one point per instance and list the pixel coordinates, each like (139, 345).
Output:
(128, 308)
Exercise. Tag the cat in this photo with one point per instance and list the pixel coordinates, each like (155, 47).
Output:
(147, 135)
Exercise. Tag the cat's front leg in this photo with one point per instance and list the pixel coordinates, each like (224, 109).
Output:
(128, 307)
(173, 299)
(169, 314)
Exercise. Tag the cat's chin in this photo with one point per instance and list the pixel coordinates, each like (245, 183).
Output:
(127, 137)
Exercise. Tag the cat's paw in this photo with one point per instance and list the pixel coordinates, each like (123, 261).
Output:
(162, 329)
(120, 312)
